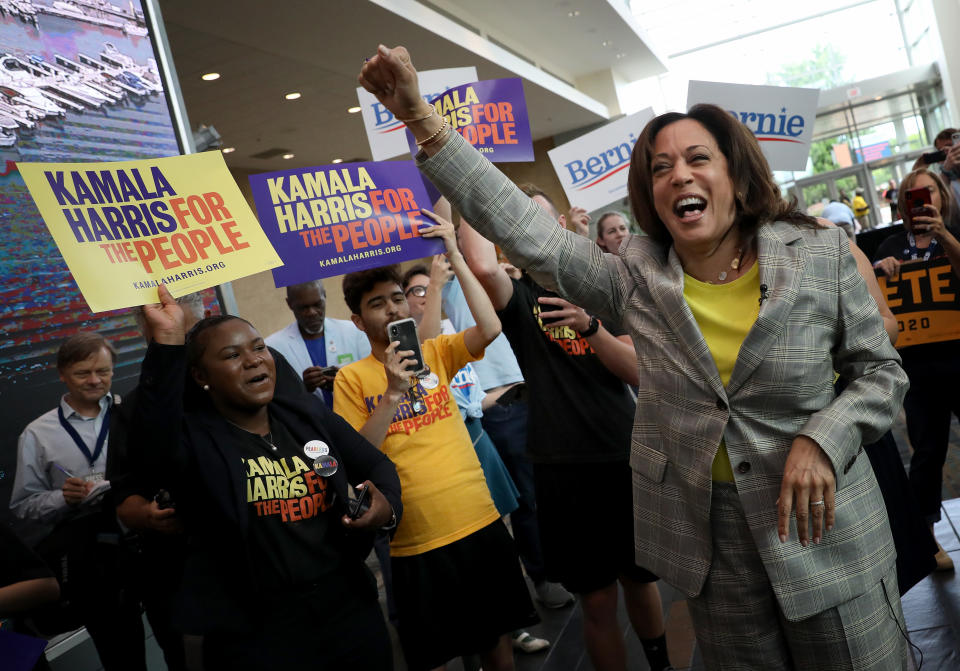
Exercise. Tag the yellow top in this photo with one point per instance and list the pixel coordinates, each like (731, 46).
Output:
(445, 496)
(860, 206)
(725, 314)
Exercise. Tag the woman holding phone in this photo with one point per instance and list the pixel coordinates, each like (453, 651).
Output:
(925, 203)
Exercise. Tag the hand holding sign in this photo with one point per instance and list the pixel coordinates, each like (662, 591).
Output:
(391, 77)
(164, 320)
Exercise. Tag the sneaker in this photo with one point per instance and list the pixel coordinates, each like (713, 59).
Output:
(944, 562)
(552, 595)
(527, 642)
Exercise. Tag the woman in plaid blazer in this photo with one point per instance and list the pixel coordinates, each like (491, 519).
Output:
(749, 493)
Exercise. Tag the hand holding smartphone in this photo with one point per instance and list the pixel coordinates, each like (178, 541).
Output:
(404, 331)
(358, 506)
(917, 201)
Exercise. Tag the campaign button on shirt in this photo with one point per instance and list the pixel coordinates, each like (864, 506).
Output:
(325, 466)
(316, 448)
(430, 381)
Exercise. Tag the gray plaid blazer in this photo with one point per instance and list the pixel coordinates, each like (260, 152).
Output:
(818, 318)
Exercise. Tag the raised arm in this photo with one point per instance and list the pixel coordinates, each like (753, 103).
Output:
(487, 327)
(440, 273)
(481, 256)
(558, 259)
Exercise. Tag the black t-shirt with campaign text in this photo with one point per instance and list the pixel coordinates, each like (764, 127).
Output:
(289, 510)
(580, 412)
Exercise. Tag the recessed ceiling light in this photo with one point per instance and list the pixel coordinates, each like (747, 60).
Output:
(574, 13)
(292, 95)
(353, 110)
(288, 156)
(210, 76)
(338, 160)
(605, 43)
(228, 150)
(620, 55)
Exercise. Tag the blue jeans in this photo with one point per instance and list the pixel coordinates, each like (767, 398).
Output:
(507, 427)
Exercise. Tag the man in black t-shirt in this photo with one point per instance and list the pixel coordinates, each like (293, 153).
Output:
(578, 438)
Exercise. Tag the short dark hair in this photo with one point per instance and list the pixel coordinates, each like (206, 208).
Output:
(355, 285)
(757, 196)
(196, 345)
(532, 190)
(946, 196)
(418, 269)
(945, 134)
(295, 288)
(81, 347)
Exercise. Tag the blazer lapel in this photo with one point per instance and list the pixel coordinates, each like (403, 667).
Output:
(666, 289)
(781, 270)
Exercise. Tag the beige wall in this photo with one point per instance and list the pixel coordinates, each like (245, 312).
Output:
(260, 302)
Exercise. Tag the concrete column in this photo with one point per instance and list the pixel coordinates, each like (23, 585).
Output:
(946, 16)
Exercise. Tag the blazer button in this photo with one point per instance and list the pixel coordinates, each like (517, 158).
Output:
(721, 404)
(743, 467)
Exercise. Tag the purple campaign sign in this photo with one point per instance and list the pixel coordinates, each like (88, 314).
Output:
(336, 219)
(491, 115)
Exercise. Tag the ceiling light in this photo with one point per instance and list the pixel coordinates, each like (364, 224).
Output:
(353, 110)
(574, 13)
(620, 55)
(338, 160)
(292, 96)
(210, 76)
(288, 156)
(228, 150)
(605, 43)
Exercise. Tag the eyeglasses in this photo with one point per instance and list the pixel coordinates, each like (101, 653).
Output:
(418, 290)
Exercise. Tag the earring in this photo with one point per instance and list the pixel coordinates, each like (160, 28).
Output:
(206, 387)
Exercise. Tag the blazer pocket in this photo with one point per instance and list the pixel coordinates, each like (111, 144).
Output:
(648, 462)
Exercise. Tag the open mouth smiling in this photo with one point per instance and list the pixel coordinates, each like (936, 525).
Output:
(689, 207)
(258, 379)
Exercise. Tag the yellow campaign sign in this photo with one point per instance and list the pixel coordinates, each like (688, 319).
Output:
(126, 227)
(925, 299)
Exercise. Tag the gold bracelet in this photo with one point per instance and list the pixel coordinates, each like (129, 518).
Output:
(433, 138)
(420, 118)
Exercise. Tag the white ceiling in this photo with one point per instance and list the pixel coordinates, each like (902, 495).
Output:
(264, 50)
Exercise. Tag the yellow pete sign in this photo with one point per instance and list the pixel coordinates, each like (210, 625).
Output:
(125, 228)
(925, 299)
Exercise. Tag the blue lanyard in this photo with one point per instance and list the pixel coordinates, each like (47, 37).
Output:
(914, 253)
(101, 438)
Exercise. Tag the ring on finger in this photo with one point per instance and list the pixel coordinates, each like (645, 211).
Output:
(817, 503)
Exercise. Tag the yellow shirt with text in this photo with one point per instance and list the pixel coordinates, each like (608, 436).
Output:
(445, 496)
(725, 314)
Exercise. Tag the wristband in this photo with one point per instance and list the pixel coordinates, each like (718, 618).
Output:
(592, 327)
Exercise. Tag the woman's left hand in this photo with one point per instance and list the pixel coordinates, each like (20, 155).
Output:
(379, 513)
(808, 487)
(928, 224)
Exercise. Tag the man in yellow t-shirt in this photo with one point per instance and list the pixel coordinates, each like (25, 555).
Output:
(456, 575)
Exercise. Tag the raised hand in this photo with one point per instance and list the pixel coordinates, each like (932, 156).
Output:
(391, 77)
(164, 320)
(442, 229)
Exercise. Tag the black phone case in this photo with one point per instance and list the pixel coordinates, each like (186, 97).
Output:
(404, 331)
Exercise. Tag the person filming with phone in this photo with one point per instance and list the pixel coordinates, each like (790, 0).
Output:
(925, 203)
(456, 574)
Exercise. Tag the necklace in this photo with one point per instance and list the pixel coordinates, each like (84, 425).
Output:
(268, 439)
(734, 264)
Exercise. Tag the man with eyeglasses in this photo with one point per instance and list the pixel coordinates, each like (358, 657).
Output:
(59, 493)
(314, 344)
